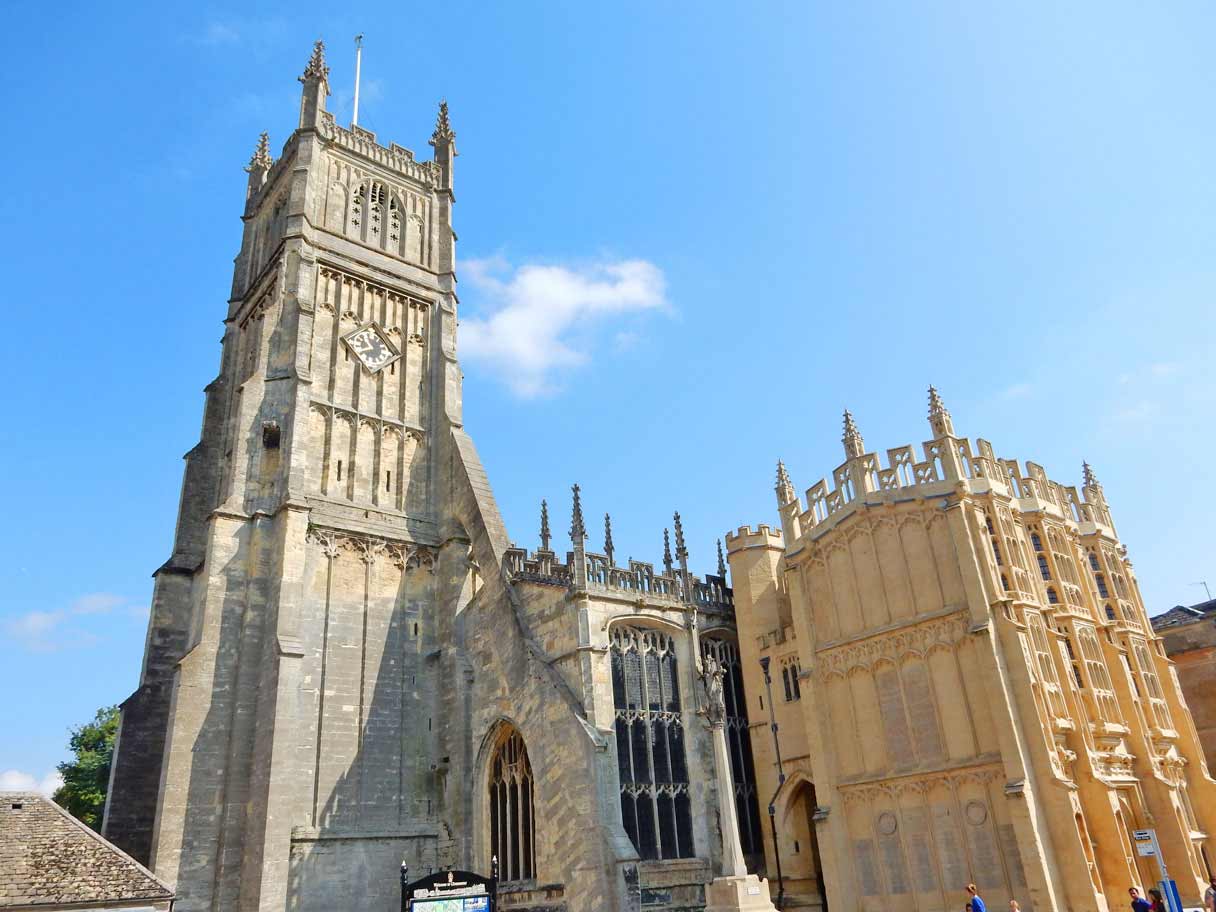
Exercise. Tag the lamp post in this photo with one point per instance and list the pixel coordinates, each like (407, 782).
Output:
(772, 804)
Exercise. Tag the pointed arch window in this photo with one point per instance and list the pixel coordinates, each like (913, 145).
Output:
(655, 806)
(512, 824)
(738, 741)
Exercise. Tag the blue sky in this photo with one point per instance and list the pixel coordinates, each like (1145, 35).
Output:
(694, 233)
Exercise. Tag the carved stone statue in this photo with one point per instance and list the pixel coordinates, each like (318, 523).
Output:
(715, 703)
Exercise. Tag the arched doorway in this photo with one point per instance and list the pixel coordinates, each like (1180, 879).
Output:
(800, 858)
(512, 823)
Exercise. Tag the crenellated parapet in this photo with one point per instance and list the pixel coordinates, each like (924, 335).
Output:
(943, 465)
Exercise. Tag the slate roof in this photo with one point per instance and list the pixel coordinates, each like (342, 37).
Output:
(48, 856)
(1182, 614)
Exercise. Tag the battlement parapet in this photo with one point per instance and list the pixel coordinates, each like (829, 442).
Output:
(763, 536)
(947, 462)
(363, 143)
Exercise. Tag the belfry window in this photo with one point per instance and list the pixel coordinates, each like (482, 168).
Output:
(738, 742)
(512, 829)
(650, 743)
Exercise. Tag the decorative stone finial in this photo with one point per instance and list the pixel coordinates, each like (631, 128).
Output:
(939, 417)
(667, 551)
(578, 531)
(261, 155)
(681, 551)
(316, 68)
(545, 536)
(443, 127)
(1090, 479)
(854, 446)
(608, 549)
(721, 562)
(785, 488)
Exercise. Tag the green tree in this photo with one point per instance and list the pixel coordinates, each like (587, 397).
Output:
(86, 778)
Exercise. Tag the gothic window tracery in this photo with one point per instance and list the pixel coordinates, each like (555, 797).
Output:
(651, 761)
(512, 824)
(738, 741)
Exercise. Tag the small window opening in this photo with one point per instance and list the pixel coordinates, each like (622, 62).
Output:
(388, 481)
(415, 630)
(270, 435)
(392, 368)
(797, 847)
(339, 470)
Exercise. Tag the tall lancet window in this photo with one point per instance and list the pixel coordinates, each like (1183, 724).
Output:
(738, 742)
(650, 743)
(512, 831)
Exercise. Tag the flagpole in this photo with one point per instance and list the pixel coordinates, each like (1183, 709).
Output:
(354, 118)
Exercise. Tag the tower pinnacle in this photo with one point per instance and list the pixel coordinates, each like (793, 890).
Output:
(261, 155)
(939, 418)
(608, 549)
(667, 552)
(578, 530)
(316, 68)
(681, 550)
(785, 488)
(545, 535)
(721, 562)
(443, 126)
(316, 87)
(1088, 476)
(854, 446)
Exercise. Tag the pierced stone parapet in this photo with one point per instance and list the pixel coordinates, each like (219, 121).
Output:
(363, 143)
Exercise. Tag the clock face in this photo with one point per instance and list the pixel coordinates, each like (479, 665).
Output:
(372, 349)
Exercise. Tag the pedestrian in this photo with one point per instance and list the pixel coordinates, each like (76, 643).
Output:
(1209, 895)
(1013, 906)
(1155, 901)
(1139, 903)
(976, 904)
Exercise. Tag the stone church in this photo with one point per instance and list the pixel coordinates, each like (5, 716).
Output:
(349, 665)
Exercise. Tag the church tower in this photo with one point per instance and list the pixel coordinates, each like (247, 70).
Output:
(286, 726)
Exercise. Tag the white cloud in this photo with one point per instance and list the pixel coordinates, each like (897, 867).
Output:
(97, 603)
(217, 33)
(58, 629)
(536, 320)
(17, 781)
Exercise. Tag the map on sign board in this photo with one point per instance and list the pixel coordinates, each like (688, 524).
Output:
(453, 904)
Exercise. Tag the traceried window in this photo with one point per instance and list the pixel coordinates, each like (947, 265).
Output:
(512, 825)
(738, 742)
(650, 743)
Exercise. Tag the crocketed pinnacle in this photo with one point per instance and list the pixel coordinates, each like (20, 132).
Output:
(1087, 473)
(261, 155)
(785, 488)
(578, 530)
(443, 127)
(667, 551)
(316, 68)
(939, 416)
(854, 446)
(545, 535)
(721, 561)
(681, 551)
(608, 549)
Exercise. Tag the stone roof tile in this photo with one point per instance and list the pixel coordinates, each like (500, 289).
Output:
(48, 856)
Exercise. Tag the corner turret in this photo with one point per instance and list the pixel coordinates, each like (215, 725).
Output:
(939, 418)
(854, 446)
(444, 142)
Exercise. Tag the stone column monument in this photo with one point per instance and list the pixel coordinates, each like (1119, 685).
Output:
(734, 889)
